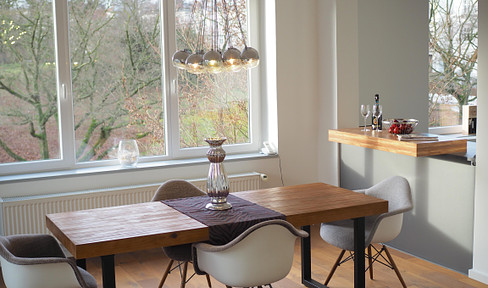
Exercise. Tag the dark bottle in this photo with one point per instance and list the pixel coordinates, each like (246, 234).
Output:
(377, 122)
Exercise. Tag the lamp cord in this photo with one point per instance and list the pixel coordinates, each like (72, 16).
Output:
(228, 40)
(202, 34)
(281, 171)
(240, 25)
(192, 16)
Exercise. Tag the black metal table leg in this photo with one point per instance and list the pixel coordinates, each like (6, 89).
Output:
(306, 252)
(81, 263)
(108, 271)
(359, 252)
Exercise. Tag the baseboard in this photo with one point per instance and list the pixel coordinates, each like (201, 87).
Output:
(478, 276)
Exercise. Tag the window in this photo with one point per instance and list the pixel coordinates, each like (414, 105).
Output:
(453, 60)
(76, 82)
(212, 104)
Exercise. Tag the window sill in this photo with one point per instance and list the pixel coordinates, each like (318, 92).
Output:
(144, 166)
(457, 129)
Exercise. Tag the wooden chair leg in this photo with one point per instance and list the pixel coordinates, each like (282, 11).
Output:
(370, 261)
(208, 281)
(394, 267)
(166, 273)
(336, 264)
(183, 275)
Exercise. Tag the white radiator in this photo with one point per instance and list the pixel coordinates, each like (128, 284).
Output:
(26, 215)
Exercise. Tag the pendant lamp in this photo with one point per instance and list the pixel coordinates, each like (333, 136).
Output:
(212, 60)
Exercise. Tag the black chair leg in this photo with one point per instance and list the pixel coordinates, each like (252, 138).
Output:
(208, 281)
(394, 267)
(183, 275)
(336, 264)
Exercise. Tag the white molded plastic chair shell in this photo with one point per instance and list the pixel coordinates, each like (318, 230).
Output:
(173, 189)
(388, 229)
(378, 229)
(49, 275)
(37, 261)
(261, 255)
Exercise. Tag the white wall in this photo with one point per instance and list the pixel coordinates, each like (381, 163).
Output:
(480, 249)
(328, 156)
(305, 107)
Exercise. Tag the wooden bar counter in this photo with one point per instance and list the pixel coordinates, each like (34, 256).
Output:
(385, 141)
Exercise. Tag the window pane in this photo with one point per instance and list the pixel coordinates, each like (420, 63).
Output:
(453, 59)
(212, 105)
(116, 76)
(28, 100)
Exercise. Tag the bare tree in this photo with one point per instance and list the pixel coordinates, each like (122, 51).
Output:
(115, 57)
(116, 80)
(454, 52)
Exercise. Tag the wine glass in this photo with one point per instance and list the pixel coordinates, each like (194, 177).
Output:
(365, 111)
(377, 111)
(128, 153)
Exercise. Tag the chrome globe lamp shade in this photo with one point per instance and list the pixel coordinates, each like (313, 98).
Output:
(179, 58)
(212, 61)
(232, 60)
(249, 58)
(194, 63)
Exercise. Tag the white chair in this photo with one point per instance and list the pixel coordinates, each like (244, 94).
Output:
(261, 255)
(378, 229)
(173, 189)
(37, 261)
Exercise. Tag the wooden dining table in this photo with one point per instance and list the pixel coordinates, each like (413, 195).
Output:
(104, 232)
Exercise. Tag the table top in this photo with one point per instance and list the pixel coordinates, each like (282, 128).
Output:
(114, 230)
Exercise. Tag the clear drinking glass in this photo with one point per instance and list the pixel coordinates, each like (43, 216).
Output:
(377, 111)
(365, 111)
(128, 153)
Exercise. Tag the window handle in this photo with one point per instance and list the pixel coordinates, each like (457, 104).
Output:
(63, 91)
(173, 86)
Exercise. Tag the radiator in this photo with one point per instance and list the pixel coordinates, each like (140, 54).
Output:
(26, 215)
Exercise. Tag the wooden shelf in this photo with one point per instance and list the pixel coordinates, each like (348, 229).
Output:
(385, 141)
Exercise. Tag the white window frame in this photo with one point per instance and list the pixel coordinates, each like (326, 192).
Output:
(67, 159)
(175, 151)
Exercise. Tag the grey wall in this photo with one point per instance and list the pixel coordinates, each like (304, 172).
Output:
(393, 57)
(440, 227)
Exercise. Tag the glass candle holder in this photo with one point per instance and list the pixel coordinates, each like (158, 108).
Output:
(128, 153)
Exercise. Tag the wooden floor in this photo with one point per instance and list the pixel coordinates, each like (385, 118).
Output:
(144, 269)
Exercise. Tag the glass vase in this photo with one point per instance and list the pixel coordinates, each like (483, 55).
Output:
(217, 182)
